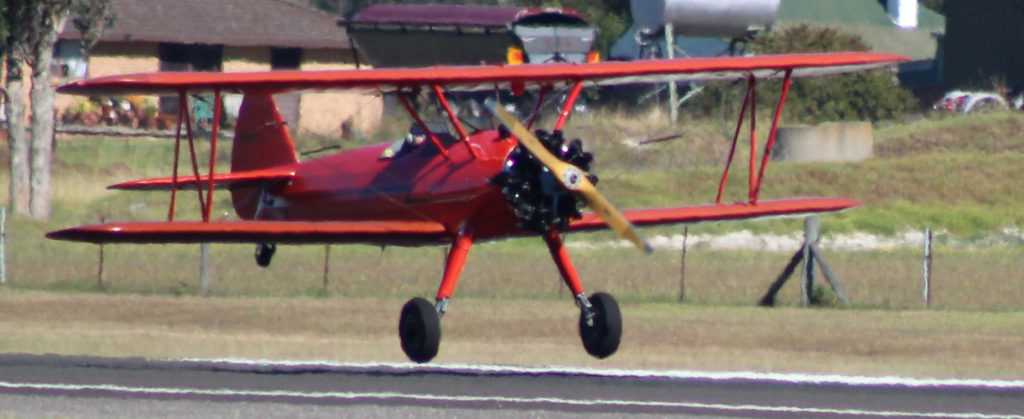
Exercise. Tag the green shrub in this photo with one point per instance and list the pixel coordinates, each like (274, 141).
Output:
(873, 95)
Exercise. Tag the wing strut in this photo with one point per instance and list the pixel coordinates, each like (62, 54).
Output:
(454, 119)
(775, 128)
(753, 137)
(732, 150)
(177, 154)
(756, 176)
(570, 101)
(184, 118)
(213, 152)
(423, 125)
(536, 108)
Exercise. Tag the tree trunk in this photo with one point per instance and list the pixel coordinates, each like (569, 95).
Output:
(42, 144)
(16, 140)
(43, 115)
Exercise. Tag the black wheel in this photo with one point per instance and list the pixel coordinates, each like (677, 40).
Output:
(264, 252)
(419, 328)
(601, 339)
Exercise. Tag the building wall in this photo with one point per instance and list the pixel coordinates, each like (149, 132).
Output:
(241, 59)
(109, 58)
(319, 113)
(337, 113)
(984, 43)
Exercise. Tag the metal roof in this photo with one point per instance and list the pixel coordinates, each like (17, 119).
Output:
(276, 23)
(492, 16)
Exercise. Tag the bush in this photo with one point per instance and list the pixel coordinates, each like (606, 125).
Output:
(874, 95)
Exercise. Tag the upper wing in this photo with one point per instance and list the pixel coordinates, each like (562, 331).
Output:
(398, 233)
(721, 212)
(515, 78)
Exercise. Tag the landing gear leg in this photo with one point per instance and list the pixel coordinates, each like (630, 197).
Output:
(419, 327)
(600, 319)
(265, 252)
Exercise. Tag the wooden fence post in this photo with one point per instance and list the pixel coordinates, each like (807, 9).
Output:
(927, 277)
(99, 267)
(204, 269)
(682, 266)
(327, 265)
(807, 254)
(3, 245)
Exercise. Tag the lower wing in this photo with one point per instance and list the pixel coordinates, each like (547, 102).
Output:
(391, 233)
(721, 212)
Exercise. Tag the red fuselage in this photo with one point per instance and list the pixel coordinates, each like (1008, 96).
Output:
(416, 183)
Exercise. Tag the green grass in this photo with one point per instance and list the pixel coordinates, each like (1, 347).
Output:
(965, 278)
(956, 175)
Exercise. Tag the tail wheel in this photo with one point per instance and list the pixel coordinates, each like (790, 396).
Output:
(264, 253)
(601, 334)
(419, 328)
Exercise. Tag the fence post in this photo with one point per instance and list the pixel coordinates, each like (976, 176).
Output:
(204, 269)
(682, 266)
(927, 276)
(3, 245)
(327, 265)
(812, 232)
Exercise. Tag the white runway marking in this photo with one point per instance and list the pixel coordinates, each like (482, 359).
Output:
(382, 396)
(621, 373)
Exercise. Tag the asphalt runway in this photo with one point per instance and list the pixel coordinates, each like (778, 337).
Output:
(83, 387)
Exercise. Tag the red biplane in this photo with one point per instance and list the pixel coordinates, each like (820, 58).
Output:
(455, 189)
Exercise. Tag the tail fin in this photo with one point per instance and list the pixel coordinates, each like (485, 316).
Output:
(261, 141)
(261, 137)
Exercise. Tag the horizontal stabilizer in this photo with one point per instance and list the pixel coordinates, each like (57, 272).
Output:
(381, 233)
(220, 181)
(721, 212)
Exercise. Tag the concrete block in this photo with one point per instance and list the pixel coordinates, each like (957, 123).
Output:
(831, 141)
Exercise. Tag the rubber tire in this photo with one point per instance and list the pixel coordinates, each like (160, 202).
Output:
(264, 253)
(419, 328)
(602, 339)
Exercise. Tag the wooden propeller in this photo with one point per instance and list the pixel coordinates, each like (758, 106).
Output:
(570, 176)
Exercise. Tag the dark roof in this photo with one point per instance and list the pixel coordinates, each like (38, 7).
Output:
(456, 15)
(277, 23)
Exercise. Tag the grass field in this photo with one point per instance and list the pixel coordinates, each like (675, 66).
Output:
(917, 343)
(958, 176)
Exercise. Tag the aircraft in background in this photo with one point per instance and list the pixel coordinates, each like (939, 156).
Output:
(468, 182)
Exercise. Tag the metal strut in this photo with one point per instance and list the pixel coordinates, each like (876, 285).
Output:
(213, 153)
(570, 101)
(177, 155)
(457, 256)
(423, 125)
(569, 275)
(454, 119)
(756, 175)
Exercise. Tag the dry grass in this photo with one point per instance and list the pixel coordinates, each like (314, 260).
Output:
(524, 332)
(965, 279)
(993, 133)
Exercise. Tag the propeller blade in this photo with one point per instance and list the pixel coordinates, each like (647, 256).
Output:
(572, 178)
